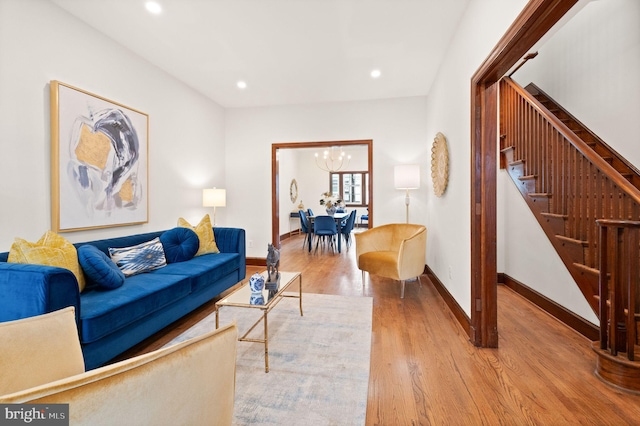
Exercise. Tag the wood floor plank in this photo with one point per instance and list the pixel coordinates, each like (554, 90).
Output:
(425, 371)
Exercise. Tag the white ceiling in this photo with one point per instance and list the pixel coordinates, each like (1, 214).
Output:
(287, 51)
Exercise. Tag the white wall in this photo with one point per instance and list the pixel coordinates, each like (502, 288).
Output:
(288, 170)
(592, 67)
(396, 126)
(40, 42)
(448, 111)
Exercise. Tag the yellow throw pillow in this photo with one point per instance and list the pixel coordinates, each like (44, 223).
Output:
(50, 250)
(205, 235)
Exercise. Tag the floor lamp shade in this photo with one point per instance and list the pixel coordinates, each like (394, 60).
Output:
(214, 197)
(406, 176)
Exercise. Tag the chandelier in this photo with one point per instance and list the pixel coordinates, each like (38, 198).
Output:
(333, 159)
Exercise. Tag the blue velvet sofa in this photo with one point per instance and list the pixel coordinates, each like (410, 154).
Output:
(112, 321)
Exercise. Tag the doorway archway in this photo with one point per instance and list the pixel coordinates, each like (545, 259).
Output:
(275, 177)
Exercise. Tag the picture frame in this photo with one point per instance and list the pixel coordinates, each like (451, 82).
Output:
(99, 161)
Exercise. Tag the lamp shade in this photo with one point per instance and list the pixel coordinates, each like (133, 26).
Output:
(214, 197)
(407, 176)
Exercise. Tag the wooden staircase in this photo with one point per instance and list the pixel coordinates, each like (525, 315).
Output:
(571, 181)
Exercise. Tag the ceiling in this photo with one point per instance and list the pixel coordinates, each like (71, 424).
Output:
(287, 51)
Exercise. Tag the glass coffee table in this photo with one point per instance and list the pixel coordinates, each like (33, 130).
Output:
(265, 301)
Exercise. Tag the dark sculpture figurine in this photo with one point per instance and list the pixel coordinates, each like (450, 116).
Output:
(273, 275)
(273, 263)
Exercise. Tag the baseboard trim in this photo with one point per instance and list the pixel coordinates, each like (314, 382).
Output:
(287, 235)
(457, 311)
(257, 261)
(562, 314)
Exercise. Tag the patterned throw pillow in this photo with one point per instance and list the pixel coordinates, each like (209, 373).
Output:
(140, 258)
(50, 250)
(205, 235)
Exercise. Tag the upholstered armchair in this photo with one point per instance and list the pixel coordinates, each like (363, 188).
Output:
(394, 251)
(192, 382)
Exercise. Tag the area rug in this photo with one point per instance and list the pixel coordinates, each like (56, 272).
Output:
(318, 363)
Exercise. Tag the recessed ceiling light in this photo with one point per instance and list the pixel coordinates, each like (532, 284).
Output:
(241, 84)
(375, 73)
(153, 7)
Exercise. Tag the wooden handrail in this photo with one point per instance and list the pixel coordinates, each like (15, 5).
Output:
(535, 90)
(524, 61)
(579, 144)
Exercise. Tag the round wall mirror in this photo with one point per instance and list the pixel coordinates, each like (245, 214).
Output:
(293, 190)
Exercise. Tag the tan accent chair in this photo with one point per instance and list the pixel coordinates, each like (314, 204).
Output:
(190, 383)
(394, 251)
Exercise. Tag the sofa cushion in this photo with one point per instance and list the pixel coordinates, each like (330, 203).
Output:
(100, 271)
(104, 312)
(180, 244)
(205, 235)
(204, 270)
(140, 258)
(51, 250)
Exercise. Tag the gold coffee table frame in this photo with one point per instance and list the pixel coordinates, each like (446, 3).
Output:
(240, 298)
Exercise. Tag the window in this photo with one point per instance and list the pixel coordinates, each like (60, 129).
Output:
(352, 187)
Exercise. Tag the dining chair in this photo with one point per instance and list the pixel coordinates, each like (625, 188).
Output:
(323, 227)
(347, 228)
(305, 228)
(310, 212)
(364, 217)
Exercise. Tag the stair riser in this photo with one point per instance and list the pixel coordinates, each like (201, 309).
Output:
(557, 224)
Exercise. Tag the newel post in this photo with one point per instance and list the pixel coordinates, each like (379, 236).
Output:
(619, 255)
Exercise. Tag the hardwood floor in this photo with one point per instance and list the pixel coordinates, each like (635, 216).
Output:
(425, 371)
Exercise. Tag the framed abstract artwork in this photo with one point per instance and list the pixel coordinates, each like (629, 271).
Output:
(99, 161)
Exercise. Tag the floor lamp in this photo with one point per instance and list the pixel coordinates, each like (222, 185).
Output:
(214, 197)
(407, 176)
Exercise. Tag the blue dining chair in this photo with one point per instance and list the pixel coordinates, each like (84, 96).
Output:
(323, 227)
(310, 212)
(364, 217)
(348, 228)
(305, 227)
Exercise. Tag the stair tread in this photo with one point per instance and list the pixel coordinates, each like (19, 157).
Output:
(508, 148)
(528, 177)
(540, 194)
(516, 162)
(555, 215)
(572, 240)
(626, 311)
(587, 269)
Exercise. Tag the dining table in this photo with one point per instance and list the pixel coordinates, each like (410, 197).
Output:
(338, 217)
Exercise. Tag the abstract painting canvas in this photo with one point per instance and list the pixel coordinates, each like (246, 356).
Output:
(99, 161)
